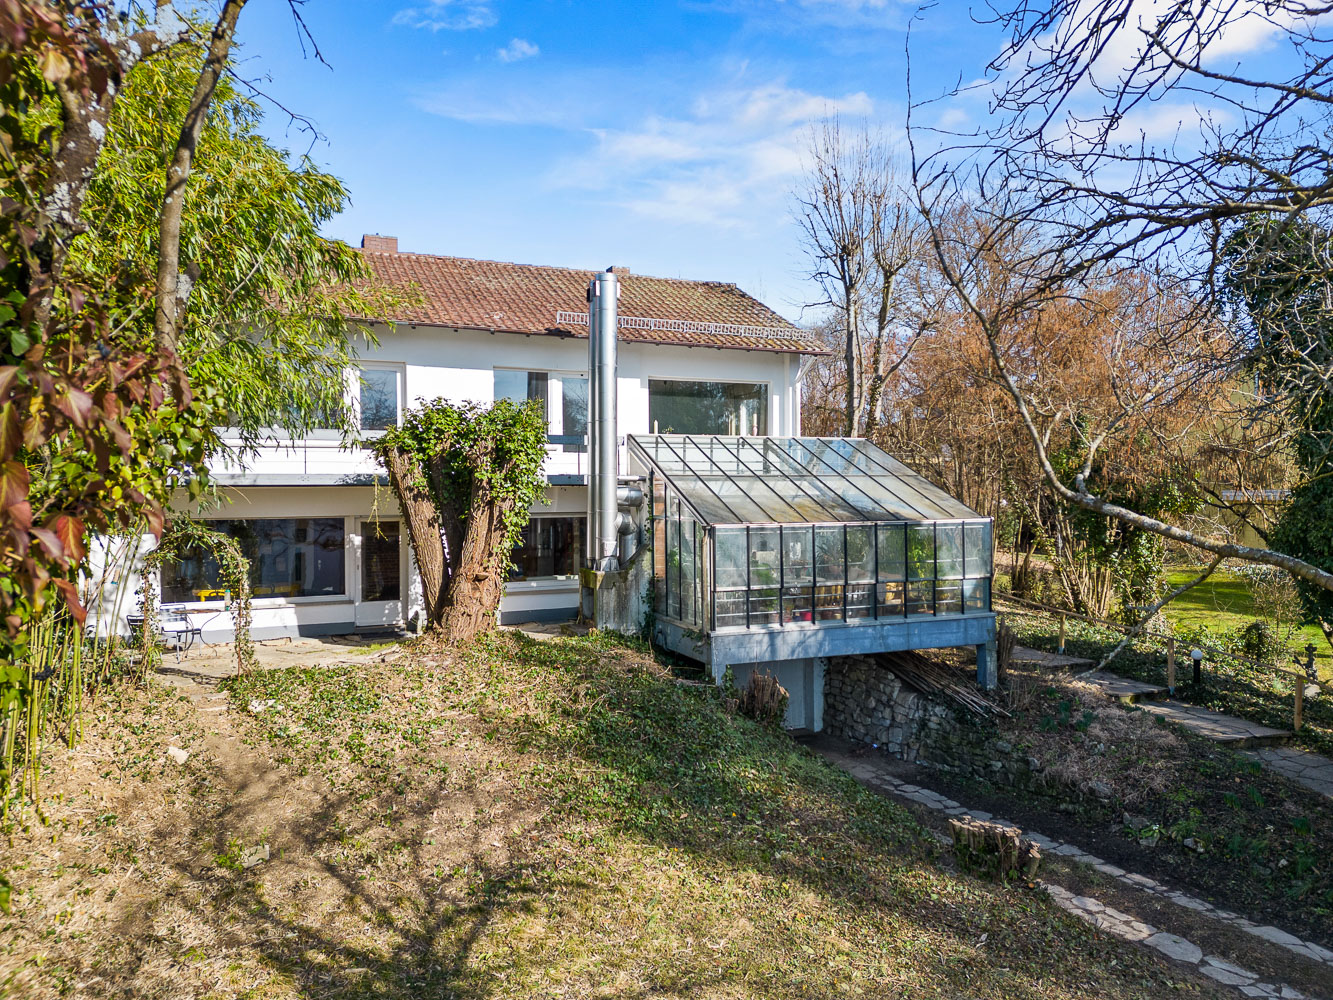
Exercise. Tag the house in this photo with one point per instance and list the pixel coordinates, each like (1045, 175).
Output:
(316, 519)
(762, 549)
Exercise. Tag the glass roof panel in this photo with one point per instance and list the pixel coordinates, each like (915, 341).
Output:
(755, 480)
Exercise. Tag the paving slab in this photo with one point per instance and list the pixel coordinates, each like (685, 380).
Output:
(1224, 729)
(1055, 661)
(1124, 689)
(1312, 770)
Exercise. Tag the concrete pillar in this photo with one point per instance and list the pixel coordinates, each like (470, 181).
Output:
(987, 668)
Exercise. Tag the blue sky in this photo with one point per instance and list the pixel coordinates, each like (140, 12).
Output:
(665, 137)
(660, 136)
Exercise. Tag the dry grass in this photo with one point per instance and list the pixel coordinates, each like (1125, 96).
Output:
(521, 819)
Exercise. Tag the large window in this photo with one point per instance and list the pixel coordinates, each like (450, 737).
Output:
(381, 566)
(676, 407)
(564, 400)
(551, 547)
(378, 398)
(289, 557)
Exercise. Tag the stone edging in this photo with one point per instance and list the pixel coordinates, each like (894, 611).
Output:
(1119, 924)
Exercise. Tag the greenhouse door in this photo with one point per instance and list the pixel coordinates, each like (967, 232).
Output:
(379, 573)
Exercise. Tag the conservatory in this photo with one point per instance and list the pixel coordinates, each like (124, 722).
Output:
(776, 549)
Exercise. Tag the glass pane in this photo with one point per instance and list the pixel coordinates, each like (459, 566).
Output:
(828, 602)
(730, 608)
(573, 410)
(289, 557)
(949, 551)
(549, 547)
(796, 605)
(829, 554)
(920, 597)
(381, 566)
(976, 595)
(949, 598)
(798, 552)
(861, 600)
(890, 599)
(892, 558)
(379, 399)
(920, 552)
(860, 553)
(764, 606)
(707, 407)
(731, 557)
(673, 566)
(978, 549)
(689, 579)
(763, 557)
(511, 385)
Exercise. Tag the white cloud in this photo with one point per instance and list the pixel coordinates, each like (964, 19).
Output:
(447, 15)
(518, 48)
(730, 161)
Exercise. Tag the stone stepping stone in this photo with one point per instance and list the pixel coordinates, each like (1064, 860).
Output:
(1222, 729)
(1123, 689)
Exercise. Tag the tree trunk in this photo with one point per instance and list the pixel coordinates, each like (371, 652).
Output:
(166, 321)
(423, 526)
(852, 358)
(479, 573)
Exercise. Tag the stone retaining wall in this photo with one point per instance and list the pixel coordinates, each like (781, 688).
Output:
(867, 703)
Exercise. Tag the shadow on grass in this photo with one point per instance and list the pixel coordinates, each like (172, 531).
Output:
(626, 750)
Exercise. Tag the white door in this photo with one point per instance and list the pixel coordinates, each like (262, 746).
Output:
(381, 572)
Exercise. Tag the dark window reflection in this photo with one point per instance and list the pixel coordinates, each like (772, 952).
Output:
(551, 546)
(707, 407)
(289, 557)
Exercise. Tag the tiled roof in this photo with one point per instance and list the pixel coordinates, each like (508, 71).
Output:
(522, 298)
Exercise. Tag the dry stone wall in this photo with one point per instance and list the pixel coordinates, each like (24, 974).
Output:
(867, 703)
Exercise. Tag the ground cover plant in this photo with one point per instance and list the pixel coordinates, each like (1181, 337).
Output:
(1231, 684)
(513, 819)
(1173, 805)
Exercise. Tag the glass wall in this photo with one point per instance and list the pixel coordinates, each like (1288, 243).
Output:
(289, 557)
(680, 407)
(784, 574)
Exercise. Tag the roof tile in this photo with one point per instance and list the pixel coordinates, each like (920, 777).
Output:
(461, 293)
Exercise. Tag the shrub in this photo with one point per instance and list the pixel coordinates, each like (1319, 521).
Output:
(764, 700)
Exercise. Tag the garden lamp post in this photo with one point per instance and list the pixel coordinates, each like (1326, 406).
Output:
(1196, 655)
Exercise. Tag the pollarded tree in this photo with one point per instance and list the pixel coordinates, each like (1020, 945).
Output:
(465, 477)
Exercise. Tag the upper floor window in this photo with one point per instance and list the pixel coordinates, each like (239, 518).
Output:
(379, 397)
(564, 399)
(680, 407)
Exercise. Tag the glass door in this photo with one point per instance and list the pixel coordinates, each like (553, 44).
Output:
(380, 572)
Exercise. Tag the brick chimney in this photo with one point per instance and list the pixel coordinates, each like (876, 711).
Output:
(619, 269)
(379, 244)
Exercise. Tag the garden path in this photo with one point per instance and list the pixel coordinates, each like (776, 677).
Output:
(1241, 940)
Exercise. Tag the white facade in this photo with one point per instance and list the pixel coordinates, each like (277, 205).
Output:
(322, 478)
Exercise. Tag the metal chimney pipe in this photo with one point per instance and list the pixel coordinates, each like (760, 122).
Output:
(590, 540)
(606, 477)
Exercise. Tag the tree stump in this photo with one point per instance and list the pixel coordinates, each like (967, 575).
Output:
(991, 849)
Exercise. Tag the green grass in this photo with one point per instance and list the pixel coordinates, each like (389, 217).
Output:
(1222, 603)
(561, 818)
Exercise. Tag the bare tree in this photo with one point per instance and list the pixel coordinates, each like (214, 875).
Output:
(1066, 186)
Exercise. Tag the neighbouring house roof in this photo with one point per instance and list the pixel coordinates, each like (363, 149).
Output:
(461, 293)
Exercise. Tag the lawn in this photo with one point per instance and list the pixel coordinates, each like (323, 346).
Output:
(516, 819)
(1222, 603)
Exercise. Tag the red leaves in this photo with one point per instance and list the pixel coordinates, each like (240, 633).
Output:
(71, 595)
(14, 482)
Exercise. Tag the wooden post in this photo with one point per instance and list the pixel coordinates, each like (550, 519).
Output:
(1062, 634)
(1171, 664)
(1300, 704)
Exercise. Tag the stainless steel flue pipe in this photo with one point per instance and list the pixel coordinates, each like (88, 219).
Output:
(603, 449)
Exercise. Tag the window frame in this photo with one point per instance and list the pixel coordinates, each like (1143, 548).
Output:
(560, 579)
(260, 602)
(767, 385)
(354, 387)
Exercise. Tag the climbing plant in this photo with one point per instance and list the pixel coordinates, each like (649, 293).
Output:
(186, 535)
(466, 477)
